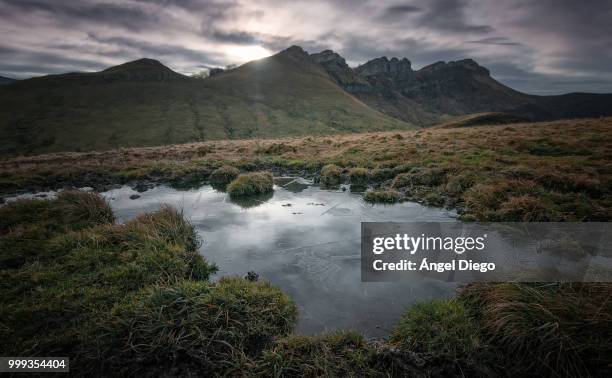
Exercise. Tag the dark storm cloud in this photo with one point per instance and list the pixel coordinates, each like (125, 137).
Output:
(69, 13)
(12, 61)
(544, 46)
(398, 12)
(500, 41)
(451, 16)
(395, 9)
(138, 49)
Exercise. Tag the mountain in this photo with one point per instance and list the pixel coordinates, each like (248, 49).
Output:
(375, 83)
(6, 80)
(292, 93)
(144, 103)
(446, 89)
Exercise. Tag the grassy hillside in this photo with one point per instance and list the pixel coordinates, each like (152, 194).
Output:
(143, 103)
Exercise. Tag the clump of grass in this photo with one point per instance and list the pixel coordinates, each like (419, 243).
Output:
(525, 208)
(358, 177)
(331, 175)
(276, 149)
(75, 276)
(381, 196)
(333, 355)
(222, 176)
(82, 209)
(251, 183)
(21, 213)
(419, 177)
(510, 200)
(433, 198)
(558, 329)
(381, 174)
(459, 183)
(189, 179)
(212, 326)
(544, 147)
(439, 326)
(27, 226)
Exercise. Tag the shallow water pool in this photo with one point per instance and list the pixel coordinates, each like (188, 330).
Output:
(302, 239)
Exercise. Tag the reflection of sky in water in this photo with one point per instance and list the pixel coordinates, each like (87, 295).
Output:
(310, 249)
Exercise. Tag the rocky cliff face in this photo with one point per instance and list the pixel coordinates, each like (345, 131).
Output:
(395, 68)
(378, 83)
(462, 87)
(337, 68)
(423, 96)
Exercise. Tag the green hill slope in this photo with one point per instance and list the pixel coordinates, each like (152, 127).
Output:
(144, 103)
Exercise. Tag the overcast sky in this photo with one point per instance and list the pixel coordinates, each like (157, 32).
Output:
(540, 46)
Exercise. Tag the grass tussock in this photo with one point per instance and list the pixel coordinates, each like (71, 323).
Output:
(333, 355)
(215, 327)
(439, 326)
(381, 196)
(359, 177)
(224, 175)
(419, 177)
(551, 329)
(28, 226)
(57, 299)
(83, 209)
(248, 184)
(331, 175)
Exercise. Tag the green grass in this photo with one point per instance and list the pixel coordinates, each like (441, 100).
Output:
(248, 184)
(550, 329)
(359, 176)
(381, 196)
(222, 176)
(56, 299)
(331, 175)
(332, 355)
(28, 226)
(215, 328)
(135, 299)
(439, 326)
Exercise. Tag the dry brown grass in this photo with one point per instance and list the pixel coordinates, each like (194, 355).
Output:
(569, 163)
(560, 329)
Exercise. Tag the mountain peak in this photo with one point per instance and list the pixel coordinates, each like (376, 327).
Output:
(464, 64)
(295, 52)
(142, 63)
(326, 56)
(144, 69)
(336, 67)
(384, 66)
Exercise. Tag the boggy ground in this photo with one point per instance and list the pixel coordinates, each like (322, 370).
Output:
(135, 299)
(555, 171)
(96, 284)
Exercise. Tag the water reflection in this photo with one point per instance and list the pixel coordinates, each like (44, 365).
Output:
(304, 240)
